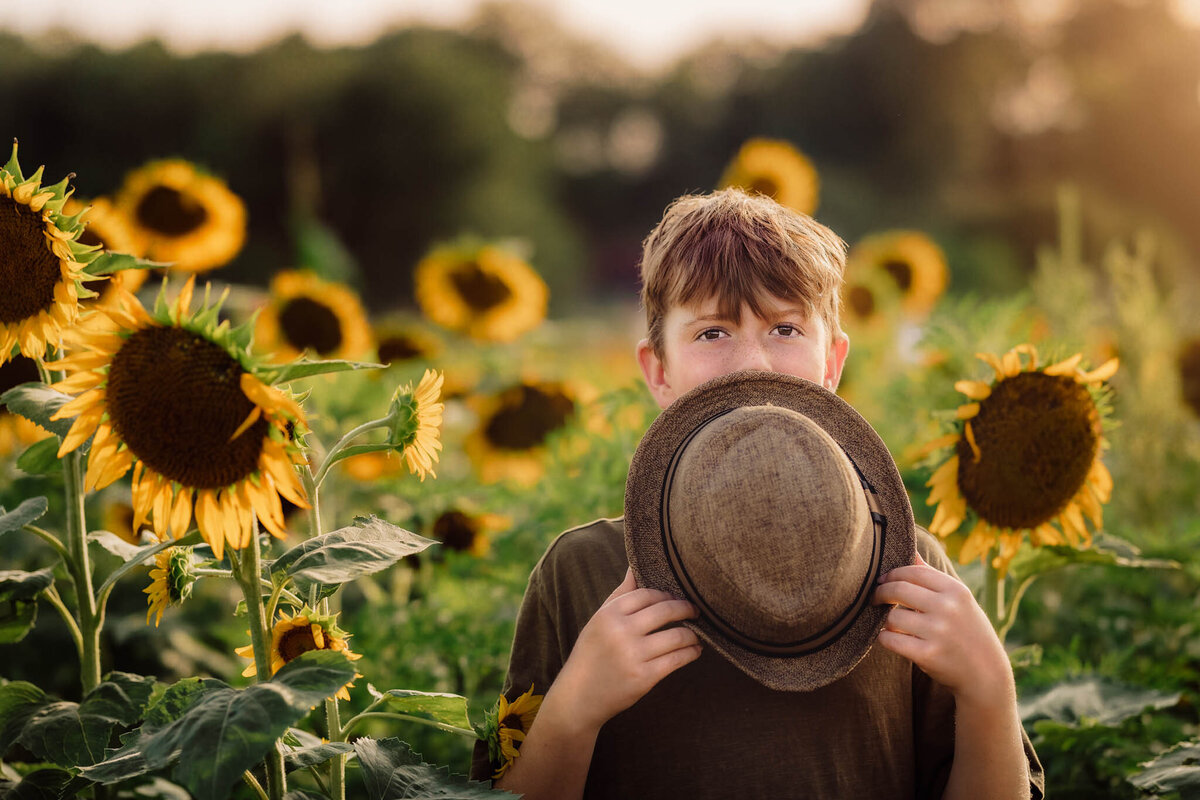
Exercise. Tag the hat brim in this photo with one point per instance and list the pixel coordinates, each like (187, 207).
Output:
(644, 494)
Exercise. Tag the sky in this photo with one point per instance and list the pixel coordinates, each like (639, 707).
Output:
(650, 33)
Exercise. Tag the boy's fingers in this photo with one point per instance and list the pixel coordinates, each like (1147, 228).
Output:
(628, 584)
(655, 615)
(906, 594)
(667, 663)
(920, 574)
(920, 561)
(671, 639)
(914, 623)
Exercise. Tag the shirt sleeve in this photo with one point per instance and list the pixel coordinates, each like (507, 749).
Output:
(535, 660)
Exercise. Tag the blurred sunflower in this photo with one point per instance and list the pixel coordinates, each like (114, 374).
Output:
(417, 421)
(307, 313)
(16, 432)
(107, 230)
(506, 726)
(870, 302)
(510, 441)
(183, 216)
(397, 342)
(774, 168)
(915, 263)
(41, 262)
(1189, 373)
(292, 636)
(465, 532)
(370, 467)
(171, 581)
(117, 517)
(485, 292)
(174, 395)
(1027, 457)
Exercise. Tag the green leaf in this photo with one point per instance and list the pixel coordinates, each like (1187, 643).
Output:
(114, 544)
(37, 402)
(108, 263)
(1177, 770)
(41, 458)
(19, 701)
(226, 731)
(448, 708)
(18, 601)
(77, 734)
(1105, 550)
(43, 784)
(364, 548)
(316, 754)
(300, 794)
(1094, 699)
(392, 771)
(306, 369)
(29, 510)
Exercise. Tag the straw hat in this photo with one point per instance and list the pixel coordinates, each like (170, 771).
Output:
(771, 505)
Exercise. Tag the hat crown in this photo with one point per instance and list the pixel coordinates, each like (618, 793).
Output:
(770, 523)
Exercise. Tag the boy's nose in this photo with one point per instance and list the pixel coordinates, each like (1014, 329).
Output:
(755, 357)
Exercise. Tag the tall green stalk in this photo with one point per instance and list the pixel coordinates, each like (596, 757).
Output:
(993, 592)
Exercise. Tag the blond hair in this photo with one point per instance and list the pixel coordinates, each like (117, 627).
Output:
(740, 249)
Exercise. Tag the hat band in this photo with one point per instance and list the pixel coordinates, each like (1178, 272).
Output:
(798, 647)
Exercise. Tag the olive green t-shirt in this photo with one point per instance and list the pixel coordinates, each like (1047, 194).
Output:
(886, 730)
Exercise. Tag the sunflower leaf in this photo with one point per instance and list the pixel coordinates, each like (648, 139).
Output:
(1100, 700)
(305, 369)
(450, 709)
(316, 754)
(76, 734)
(19, 700)
(40, 458)
(37, 402)
(18, 601)
(366, 547)
(108, 263)
(1176, 770)
(224, 731)
(1106, 550)
(47, 783)
(391, 771)
(29, 510)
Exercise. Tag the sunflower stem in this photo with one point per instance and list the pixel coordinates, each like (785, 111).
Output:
(993, 591)
(52, 596)
(392, 715)
(333, 725)
(81, 571)
(247, 572)
(50, 539)
(253, 783)
(314, 502)
(332, 456)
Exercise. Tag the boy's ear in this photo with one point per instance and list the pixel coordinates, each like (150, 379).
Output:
(655, 373)
(839, 348)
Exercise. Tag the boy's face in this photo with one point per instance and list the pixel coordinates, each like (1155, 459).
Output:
(699, 344)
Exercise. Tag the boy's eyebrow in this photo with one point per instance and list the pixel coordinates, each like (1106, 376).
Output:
(780, 312)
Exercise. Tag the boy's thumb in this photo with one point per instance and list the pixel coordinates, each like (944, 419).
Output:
(920, 561)
(627, 585)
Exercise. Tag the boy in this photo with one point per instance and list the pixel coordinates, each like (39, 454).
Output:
(634, 705)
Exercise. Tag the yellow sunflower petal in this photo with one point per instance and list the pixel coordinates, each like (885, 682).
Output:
(1101, 373)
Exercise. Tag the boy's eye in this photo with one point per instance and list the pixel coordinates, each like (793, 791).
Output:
(788, 330)
(711, 334)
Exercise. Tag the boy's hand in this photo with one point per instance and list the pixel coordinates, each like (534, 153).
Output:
(623, 652)
(939, 627)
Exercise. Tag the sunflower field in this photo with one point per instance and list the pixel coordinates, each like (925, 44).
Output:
(270, 491)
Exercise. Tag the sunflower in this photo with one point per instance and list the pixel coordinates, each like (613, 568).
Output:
(774, 168)
(870, 302)
(16, 432)
(465, 532)
(41, 262)
(514, 424)
(107, 230)
(117, 518)
(1027, 457)
(370, 467)
(174, 395)
(417, 420)
(295, 635)
(396, 343)
(914, 262)
(1189, 373)
(181, 215)
(506, 726)
(485, 292)
(171, 582)
(306, 313)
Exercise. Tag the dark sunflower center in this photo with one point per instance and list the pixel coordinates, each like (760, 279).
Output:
(861, 301)
(480, 290)
(1038, 435)
(1189, 374)
(527, 414)
(763, 185)
(513, 723)
(308, 324)
(15, 372)
(175, 399)
(170, 212)
(456, 530)
(296, 642)
(901, 272)
(399, 348)
(29, 271)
